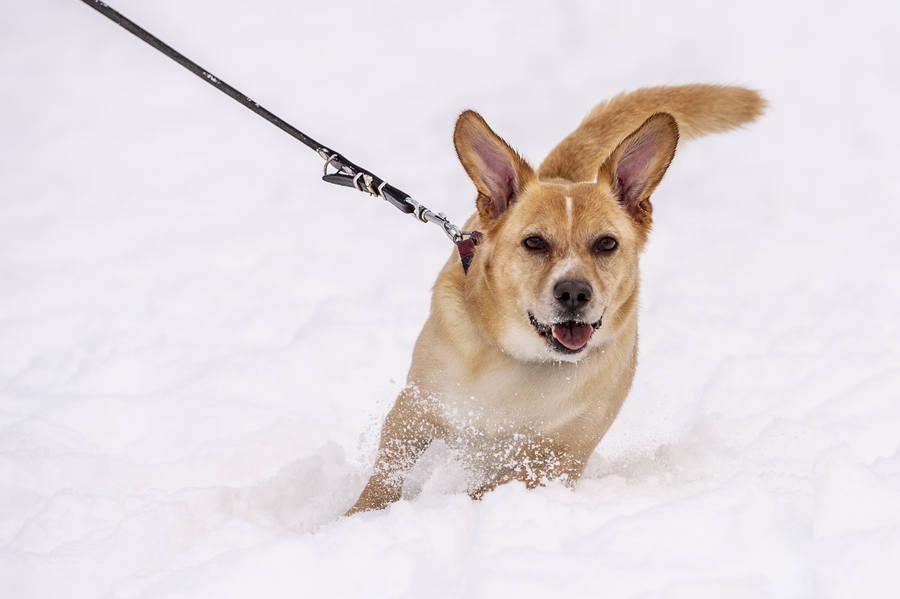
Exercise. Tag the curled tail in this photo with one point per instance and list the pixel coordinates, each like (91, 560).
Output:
(698, 110)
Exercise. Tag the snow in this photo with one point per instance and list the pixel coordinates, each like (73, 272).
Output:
(198, 338)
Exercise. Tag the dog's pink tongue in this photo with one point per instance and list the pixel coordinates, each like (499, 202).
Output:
(573, 335)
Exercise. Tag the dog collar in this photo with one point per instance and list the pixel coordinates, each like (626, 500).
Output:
(466, 249)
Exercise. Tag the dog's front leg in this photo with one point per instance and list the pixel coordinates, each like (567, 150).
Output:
(540, 461)
(406, 434)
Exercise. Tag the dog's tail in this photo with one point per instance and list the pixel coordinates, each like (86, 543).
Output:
(698, 110)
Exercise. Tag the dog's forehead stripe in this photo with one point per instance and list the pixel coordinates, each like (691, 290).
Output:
(571, 216)
(585, 213)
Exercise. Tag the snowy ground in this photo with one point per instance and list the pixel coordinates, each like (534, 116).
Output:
(198, 337)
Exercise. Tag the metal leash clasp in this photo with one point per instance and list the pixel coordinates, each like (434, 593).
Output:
(419, 211)
(363, 181)
(453, 232)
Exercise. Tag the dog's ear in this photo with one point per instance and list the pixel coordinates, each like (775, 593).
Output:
(498, 172)
(638, 164)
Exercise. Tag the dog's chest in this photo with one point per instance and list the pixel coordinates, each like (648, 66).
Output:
(514, 401)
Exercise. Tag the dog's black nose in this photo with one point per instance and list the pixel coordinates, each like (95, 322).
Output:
(573, 294)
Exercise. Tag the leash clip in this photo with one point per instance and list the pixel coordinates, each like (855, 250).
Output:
(419, 211)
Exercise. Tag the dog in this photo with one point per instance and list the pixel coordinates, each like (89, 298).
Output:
(531, 345)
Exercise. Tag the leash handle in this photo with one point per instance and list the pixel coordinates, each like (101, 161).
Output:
(346, 174)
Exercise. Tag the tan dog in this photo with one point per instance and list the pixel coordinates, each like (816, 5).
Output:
(526, 359)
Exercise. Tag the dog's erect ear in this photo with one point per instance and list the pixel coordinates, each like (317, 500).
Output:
(498, 172)
(638, 164)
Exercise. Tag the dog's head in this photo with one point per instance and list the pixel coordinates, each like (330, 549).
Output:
(557, 273)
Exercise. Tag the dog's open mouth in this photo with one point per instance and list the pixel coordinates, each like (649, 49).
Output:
(568, 337)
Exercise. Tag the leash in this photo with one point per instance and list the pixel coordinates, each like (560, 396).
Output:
(345, 172)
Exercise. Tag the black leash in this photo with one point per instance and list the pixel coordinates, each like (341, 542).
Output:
(346, 173)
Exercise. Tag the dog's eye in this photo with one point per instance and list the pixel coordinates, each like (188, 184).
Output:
(535, 243)
(607, 244)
